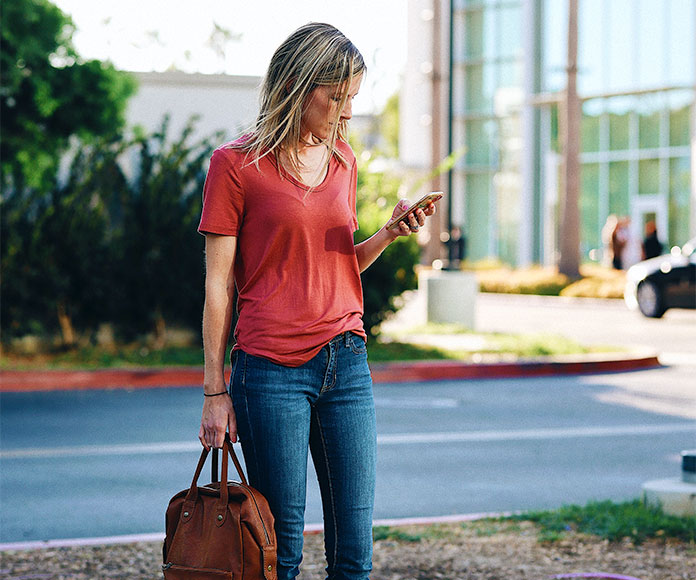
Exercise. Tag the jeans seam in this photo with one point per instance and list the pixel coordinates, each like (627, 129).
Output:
(330, 489)
(355, 349)
(332, 363)
(247, 418)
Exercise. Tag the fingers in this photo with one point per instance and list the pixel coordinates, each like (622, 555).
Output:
(412, 223)
(232, 428)
(217, 419)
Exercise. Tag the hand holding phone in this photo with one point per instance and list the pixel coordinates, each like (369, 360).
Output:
(423, 202)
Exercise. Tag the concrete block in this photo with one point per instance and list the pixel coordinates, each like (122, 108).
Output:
(450, 296)
(675, 496)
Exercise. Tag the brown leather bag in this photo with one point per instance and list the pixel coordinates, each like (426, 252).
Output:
(219, 531)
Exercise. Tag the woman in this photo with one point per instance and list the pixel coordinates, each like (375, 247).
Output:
(279, 217)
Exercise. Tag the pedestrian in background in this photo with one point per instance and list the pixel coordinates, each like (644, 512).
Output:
(608, 240)
(652, 247)
(619, 239)
(279, 215)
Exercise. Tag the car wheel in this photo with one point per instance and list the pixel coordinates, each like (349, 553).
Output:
(650, 299)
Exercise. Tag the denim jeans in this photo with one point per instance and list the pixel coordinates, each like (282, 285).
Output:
(324, 406)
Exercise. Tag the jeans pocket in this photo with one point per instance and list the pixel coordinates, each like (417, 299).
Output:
(357, 344)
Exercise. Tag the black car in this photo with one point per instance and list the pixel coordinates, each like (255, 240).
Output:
(664, 282)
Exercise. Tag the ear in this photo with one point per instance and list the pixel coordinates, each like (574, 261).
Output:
(290, 84)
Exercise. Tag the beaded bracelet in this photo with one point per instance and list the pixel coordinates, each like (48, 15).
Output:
(215, 394)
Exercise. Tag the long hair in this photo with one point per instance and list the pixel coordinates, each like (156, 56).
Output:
(315, 54)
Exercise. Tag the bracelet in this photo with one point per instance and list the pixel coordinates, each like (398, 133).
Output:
(215, 394)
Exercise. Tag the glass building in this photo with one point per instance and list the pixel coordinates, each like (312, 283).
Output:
(636, 78)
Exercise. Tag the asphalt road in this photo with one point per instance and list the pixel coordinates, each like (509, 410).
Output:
(102, 463)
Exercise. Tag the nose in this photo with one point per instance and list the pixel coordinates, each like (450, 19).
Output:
(347, 111)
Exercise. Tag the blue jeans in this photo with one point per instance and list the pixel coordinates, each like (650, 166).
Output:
(326, 406)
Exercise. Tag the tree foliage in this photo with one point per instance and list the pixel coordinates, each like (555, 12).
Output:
(161, 252)
(109, 246)
(49, 94)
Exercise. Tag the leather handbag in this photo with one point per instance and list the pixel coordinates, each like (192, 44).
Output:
(219, 531)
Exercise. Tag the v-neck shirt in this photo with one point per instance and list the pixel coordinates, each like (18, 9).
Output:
(296, 270)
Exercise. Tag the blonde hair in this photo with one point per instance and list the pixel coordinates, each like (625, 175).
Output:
(316, 54)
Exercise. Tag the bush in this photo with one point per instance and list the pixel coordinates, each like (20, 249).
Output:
(596, 282)
(613, 521)
(394, 271)
(535, 280)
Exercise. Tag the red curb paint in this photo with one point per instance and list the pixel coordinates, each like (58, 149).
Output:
(62, 380)
(444, 370)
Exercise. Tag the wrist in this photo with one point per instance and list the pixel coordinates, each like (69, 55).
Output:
(216, 394)
(391, 235)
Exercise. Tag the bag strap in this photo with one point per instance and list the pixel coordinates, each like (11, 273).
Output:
(227, 450)
(214, 465)
(233, 455)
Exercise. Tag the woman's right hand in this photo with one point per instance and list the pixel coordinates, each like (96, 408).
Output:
(217, 418)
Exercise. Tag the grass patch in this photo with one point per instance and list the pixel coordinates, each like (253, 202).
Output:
(612, 521)
(419, 343)
(403, 351)
(450, 341)
(93, 357)
(395, 534)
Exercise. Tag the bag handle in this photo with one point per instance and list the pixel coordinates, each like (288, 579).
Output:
(227, 450)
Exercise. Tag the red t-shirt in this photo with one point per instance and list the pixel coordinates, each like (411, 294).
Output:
(295, 269)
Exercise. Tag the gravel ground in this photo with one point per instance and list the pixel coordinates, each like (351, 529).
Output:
(480, 550)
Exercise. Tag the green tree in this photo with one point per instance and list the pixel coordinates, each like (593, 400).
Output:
(160, 277)
(56, 251)
(48, 94)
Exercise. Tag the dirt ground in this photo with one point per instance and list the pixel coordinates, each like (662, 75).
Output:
(481, 550)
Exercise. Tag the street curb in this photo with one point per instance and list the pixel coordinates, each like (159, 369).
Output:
(391, 372)
(310, 529)
(538, 367)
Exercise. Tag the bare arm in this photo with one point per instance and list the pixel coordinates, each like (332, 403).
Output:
(218, 414)
(369, 250)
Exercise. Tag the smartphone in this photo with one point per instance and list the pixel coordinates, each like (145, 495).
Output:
(423, 202)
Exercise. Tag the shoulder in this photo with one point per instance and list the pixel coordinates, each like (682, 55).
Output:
(233, 155)
(232, 149)
(345, 151)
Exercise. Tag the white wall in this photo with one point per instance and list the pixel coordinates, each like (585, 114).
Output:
(223, 102)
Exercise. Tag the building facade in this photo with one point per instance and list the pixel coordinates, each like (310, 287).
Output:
(505, 66)
(220, 102)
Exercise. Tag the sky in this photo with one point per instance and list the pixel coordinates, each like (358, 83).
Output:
(156, 35)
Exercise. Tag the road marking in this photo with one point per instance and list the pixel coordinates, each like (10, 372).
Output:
(101, 450)
(386, 439)
(533, 434)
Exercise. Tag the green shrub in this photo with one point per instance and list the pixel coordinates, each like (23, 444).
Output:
(534, 280)
(394, 271)
(613, 521)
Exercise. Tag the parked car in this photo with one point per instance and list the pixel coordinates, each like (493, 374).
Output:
(668, 281)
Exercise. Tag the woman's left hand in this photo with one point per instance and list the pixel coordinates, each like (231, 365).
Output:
(414, 221)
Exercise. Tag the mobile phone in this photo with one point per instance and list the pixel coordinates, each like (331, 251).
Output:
(423, 202)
